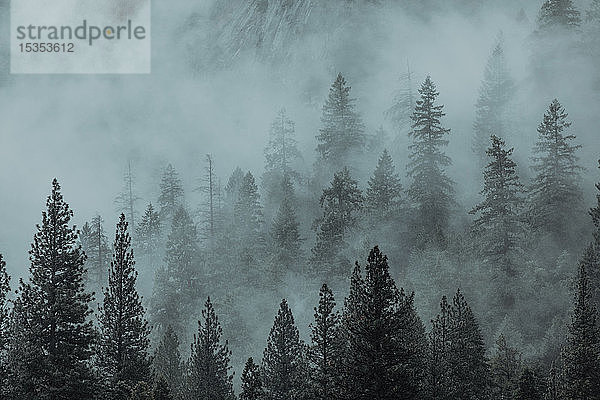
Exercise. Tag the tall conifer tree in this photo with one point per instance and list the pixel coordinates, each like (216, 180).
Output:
(499, 226)
(282, 364)
(209, 376)
(555, 195)
(252, 386)
(167, 360)
(342, 133)
(431, 189)
(386, 349)
(491, 108)
(4, 327)
(326, 348)
(171, 194)
(51, 343)
(383, 196)
(582, 353)
(124, 332)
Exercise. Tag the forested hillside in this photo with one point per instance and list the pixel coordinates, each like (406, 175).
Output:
(357, 245)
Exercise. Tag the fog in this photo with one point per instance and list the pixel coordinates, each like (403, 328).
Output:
(201, 98)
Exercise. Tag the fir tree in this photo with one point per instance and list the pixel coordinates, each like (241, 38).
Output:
(430, 189)
(593, 253)
(283, 359)
(285, 231)
(505, 368)
(280, 154)
(341, 203)
(555, 384)
(491, 108)
(161, 390)
(148, 236)
(209, 367)
(342, 132)
(248, 211)
(593, 13)
(51, 344)
(469, 371)
(439, 342)
(498, 227)
(95, 245)
(232, 189)
(176, 286)
(123, 329)
(403, 104)
(249, 222)
(252, 387)
(555, 196)
(558, 14)
(530, 386)
(126, 200)
(171, 194)
(386, 344)
(384, 191)
(582, 352)
(4, 327)
(326, 348)
(167, 360)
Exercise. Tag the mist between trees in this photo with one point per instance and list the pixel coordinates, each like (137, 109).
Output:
(478, 272)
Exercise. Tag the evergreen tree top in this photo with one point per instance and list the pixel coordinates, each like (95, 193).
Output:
(558, 14)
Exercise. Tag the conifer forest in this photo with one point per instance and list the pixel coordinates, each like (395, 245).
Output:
(310, 200)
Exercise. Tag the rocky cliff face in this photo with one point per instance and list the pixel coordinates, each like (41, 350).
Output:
(267, 27)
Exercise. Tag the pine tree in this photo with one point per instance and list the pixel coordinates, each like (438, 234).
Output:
(280, 154)
(167, 360)
(252, 387)
(248, 211)
(285, 231)
(148, 237)
(430, 189)
(249, 221)
(469, 371)
(582, 352)
(232, 189)
(530, 386)
(505, 368)
(558, 14)
(326, 348)
(282, 148)
(4, 327)
(177, 286)
(384, 191)
(123, 329)
(386, 347)
(342, 133)
(499, 226)
(593, 253)
(171, 194)
(404, 103)
(593, 13)
(555, 196)
(283, 358)
(95, 245)
(439, 342)
(51, 344)
(341, 203)
(209, 367)
(161, 390)
(495, 94)
(555, 384)
(126, 200)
